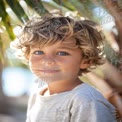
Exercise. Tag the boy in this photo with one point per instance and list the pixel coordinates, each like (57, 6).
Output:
(59, 49)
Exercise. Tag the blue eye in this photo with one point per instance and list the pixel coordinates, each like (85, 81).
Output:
(62, 53)
(38, 52)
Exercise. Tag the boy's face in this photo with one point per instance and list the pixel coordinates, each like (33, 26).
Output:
(58, 62)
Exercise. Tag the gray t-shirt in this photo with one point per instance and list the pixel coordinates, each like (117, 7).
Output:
(82, 104)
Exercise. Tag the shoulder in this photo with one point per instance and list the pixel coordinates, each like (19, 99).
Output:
(85, 94)
(87, 99)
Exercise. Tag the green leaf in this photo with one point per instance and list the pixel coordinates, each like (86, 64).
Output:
(37, 6)
(18, 10)
(82, 8)
(66, 4)
(53, 5)
(6, 20)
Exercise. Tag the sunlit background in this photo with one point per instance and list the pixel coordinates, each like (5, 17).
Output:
(17, 81)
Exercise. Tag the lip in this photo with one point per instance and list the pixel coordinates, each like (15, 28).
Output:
(49, 71)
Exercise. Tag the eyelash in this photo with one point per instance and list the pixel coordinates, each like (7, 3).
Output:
(62, 53)
(37, 52)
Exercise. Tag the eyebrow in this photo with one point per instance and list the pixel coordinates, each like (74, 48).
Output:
(66, 47)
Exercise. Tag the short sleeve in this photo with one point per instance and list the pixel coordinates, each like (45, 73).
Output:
(92, 111)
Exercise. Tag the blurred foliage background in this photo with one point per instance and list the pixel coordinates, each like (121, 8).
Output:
(14, 13)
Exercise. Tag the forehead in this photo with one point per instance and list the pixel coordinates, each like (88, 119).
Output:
(67, 43)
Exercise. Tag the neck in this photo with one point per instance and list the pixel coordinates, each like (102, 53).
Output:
(58, 87)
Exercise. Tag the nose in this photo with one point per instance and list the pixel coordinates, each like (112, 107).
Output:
(48, 60)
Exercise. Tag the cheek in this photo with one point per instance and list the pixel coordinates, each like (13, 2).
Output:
(72, 64)
(75, 67)
(34, 59)
(75, 64)
(33, 62)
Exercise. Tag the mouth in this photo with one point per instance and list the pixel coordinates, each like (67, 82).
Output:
(49, 71)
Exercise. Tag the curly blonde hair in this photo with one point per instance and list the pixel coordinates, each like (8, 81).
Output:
(48, 30)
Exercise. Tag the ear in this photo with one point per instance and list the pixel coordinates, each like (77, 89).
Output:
(84, 64)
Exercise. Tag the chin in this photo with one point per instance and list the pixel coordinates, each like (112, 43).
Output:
(49, 80)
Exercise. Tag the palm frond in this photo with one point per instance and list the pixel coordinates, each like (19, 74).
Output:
(18, 10)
